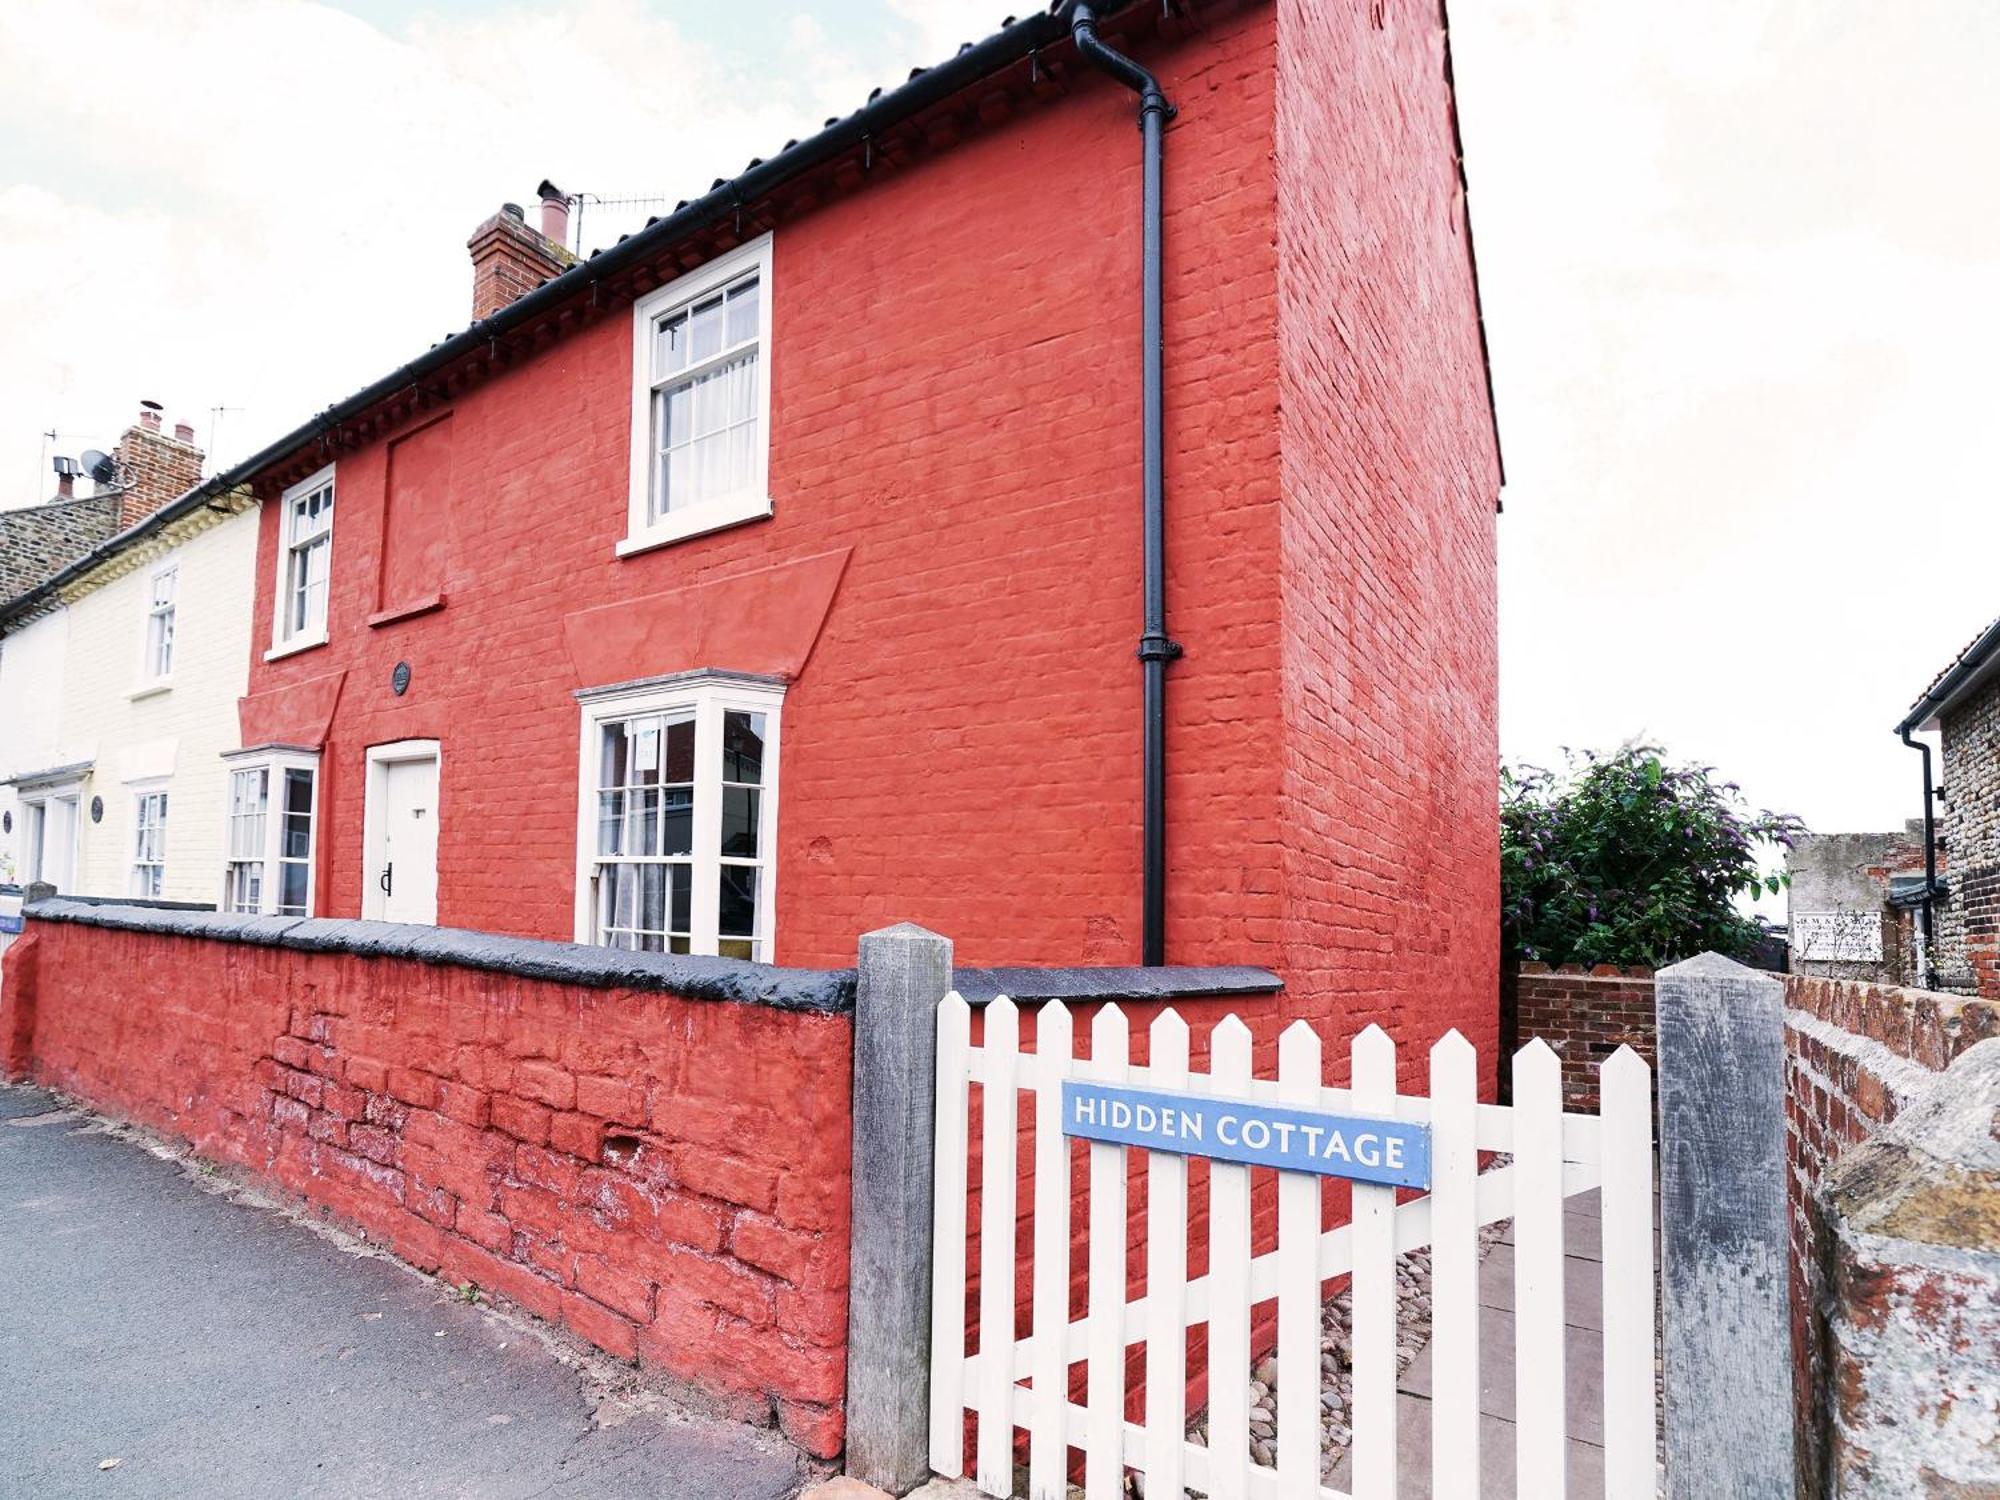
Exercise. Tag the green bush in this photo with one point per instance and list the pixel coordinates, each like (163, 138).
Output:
(1625, 859)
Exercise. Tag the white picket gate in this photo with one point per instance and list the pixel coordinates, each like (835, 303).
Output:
(1554, 1155)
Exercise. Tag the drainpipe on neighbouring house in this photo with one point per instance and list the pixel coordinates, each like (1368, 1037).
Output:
(1156, 649)
(1927, 939)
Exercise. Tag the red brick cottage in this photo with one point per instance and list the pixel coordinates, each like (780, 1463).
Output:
(890, 521)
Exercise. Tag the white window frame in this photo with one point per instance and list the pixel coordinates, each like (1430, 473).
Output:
(143, 792)
(274, 761)
(160, 622)
(284, 641)
(710, 694)
(752, 503)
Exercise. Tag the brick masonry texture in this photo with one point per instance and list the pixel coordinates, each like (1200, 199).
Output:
(1585, 1014)
(1856, 1053)
(955, 402)
(1969, 921)
(668, 1178)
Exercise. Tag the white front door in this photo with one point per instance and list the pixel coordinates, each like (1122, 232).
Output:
(402, 820)
(52, 841)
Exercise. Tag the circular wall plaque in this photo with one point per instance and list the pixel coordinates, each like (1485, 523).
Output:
(97, 809)
(399, 680)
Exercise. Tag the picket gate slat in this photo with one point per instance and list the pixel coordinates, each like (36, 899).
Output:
(1166, 1277)
(1000, 1130)
(1373, 1304)
(1229, 1285)
(1626, 1094)
(1048, 1450)
(1298, 1281)
(1104, 1429)
(1539, 1376)
(1454, 1268)
(948, 1207)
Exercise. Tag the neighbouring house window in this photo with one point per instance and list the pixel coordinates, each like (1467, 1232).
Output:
(272, 813)
(160, 623)
(149, 843)
(701, 400)
(305, 556)
(679, 817)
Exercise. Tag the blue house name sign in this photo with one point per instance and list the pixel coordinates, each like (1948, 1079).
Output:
(1360, 1147)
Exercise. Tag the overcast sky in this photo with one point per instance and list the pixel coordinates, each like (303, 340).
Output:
(1738, 262)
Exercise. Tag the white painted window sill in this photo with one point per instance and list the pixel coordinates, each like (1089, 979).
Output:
(149, 689)
(294, 647)
(696, 520)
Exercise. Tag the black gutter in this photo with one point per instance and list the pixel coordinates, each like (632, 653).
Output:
(1155, 648)
(1012, 44)
(1928, 979)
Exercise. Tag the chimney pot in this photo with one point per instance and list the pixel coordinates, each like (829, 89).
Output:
(184, 432)
(513, 211)
(555, 213)
(149, 416)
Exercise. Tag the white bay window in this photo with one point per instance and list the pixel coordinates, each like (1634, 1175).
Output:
(678, 816)
(149, 842)
(701, 398)
(272, 816)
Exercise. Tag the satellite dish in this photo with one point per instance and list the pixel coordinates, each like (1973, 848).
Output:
(101, 467)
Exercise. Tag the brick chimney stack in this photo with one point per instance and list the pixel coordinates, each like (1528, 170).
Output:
(509, 259)
(152, 467)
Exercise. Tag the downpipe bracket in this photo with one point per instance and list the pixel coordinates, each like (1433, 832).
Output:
(1159, 648)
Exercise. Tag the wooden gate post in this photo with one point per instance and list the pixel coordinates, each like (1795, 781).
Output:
(1723, 1231)
(904, 972)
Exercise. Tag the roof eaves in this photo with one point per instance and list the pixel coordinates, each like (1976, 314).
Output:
(1968, 670)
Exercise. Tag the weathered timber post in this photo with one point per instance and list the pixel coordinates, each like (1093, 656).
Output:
(1913, 1312)
(904, 972)
(1724, 1236)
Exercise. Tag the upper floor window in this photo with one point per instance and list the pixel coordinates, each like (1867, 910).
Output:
(305, 556)
(701, 400)
(160, 623)
(149, 843)
(679, 817)
(269, 846)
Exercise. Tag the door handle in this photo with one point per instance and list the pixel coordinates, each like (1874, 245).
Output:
(385, 879)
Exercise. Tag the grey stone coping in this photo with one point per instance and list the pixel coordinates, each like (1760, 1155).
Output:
(1031, 985)
(827, 991)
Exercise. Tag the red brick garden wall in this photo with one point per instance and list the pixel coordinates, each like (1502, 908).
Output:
(667, 1177)
(1856, 1052)
(1585, 1014)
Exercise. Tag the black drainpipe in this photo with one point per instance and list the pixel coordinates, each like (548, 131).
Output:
(1155, 648)
(1928, 979)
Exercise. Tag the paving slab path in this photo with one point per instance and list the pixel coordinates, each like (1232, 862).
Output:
(213, 1347)
(1583, 1361)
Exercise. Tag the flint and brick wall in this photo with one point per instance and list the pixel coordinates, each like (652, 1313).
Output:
(1585, 1014)
(1857, 1053)
(1969, 921)
(651, 1152)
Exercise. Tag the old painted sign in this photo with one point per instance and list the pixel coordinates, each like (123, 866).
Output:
(1259, 1135)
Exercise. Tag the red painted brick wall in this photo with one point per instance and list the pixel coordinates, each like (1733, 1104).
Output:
(956, 399)
(1855, 1053)
(1585, 1015)
(584, 1153)
(1388, 475)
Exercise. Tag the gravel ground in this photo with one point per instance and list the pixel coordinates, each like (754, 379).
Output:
(1413, 1331)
